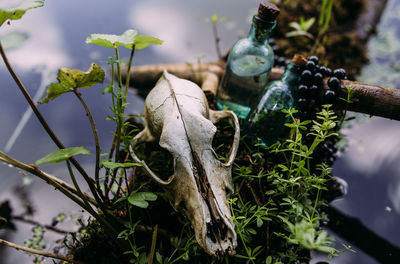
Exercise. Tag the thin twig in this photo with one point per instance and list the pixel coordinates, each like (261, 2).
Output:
(127, 73)
(33, 222)
(61, 186)
(54, 181)
(216, 39)
(38, 252)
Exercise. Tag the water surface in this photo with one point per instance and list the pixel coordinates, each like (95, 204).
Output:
(56, 38)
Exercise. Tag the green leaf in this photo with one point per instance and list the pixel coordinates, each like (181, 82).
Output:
(13, 40)
(113, 41)
(142, 41)
(71, 79)
(114, 165)
(63, 154)
(15, 13)
(127, 39)
(140, 199)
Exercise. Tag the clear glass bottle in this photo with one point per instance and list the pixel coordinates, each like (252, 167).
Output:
(249, 64)
(266, 120)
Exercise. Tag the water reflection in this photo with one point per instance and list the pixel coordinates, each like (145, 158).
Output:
(56, 38)
(371, 163)
(186, 36)
(45, 44)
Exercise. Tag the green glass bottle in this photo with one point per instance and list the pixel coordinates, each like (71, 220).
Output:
(249, 64)
(266, 120)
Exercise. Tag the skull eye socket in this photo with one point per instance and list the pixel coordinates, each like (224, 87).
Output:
(223, 139)
(158, 159)
(182, 206)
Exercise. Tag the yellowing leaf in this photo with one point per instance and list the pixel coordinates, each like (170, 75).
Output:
(71, 79)
(53, 91)
(15, 13)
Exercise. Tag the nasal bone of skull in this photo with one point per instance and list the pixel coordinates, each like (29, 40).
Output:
(199, 190)
(192, 194)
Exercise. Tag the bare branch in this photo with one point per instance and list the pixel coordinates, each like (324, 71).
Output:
(38, 252)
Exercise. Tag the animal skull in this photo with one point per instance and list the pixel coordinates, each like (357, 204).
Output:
(177, 114)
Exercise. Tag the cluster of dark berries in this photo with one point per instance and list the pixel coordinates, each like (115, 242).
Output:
(309, 99)
(280, 61)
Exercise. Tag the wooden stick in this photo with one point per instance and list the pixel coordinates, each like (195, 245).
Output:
(38, 252)
(368, 99)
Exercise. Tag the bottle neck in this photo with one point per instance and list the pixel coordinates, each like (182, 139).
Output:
(261, 29)
(291, 75)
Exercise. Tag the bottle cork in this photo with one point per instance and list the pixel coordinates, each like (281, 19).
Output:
(268, 11)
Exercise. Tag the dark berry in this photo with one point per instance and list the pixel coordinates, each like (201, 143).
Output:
(329, 96)
(303, 90)
(310, 65)
(281, 61)
(275, 48)
(302, 103)
(271, 41)
(317, 79)
(323, 71)
(326, 72)
(314, 90)
(306, 76)
(340, 74)
(329, 71)
(311, 103)
(303, 113)
(313, 58)
(334, 83)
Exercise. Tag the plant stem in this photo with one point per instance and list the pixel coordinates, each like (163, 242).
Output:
(216, 39)
(153, 245)
(46, 126)
(38, 252)
(128, 76)
(119, 113)
(96, 138)
(110, 155)
(71, 173)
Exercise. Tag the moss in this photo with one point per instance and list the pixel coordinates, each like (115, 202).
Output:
(340, 47)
